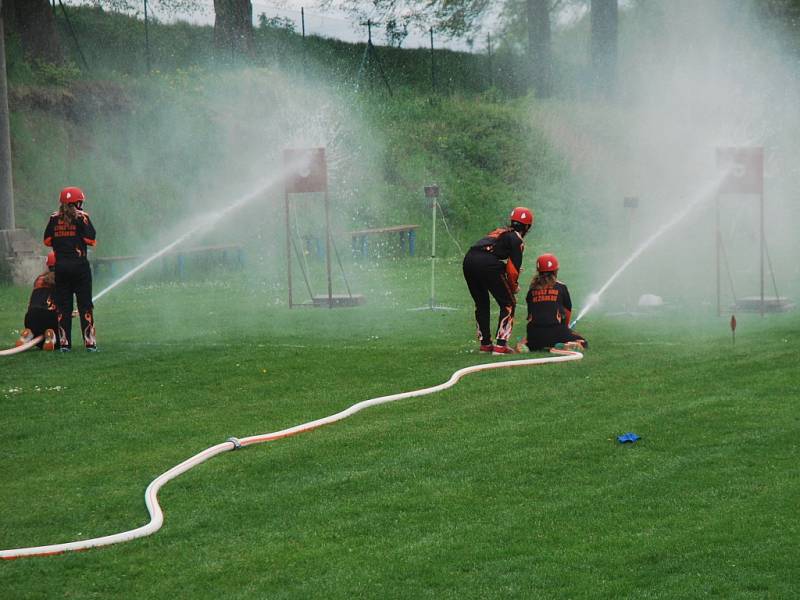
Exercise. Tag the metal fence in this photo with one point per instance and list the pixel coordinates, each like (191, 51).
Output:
(428, 58)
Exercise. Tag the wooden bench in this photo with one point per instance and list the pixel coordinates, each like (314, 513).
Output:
(228, 255)
(407, 238)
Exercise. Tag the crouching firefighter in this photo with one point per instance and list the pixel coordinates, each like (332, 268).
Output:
(492, 266)
(42, 316)
(69, 232)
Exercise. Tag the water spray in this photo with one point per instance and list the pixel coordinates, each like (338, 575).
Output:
(709, 191)
(151, 493)
(204, 224)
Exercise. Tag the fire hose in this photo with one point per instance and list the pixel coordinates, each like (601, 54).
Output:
(22, 347)
(151, 493)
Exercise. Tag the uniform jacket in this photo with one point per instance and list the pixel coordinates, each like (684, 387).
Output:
(549, 306)
(69, 240)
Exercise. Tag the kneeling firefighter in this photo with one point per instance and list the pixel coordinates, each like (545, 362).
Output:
(42, 316)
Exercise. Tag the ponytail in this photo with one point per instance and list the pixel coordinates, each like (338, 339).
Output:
(543, 280)
(68, 212)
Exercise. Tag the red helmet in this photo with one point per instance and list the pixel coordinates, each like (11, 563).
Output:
(51, 260)
(547, 263)
(522, 215)
(71, 195)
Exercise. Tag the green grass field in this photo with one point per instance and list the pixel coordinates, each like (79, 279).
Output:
(509, 485)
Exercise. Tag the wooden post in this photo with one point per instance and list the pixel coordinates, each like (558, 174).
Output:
(288, 246)
(762, 249)
(328, 248)
(718, 238)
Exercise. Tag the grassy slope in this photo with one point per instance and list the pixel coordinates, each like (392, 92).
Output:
(509, 485)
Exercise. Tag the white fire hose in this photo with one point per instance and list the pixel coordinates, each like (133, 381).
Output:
(151, 493)
(23, 347)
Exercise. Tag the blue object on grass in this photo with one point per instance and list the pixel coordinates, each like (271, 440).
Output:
(627, 437)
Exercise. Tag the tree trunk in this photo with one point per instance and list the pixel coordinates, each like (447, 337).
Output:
(33, 20)
(604, 46)
(233, 29)
(6, 187)
(539, 53)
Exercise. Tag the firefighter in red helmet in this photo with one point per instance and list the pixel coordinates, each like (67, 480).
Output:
(549, 308)
(70, 232)
(492, 266)
(42, 318)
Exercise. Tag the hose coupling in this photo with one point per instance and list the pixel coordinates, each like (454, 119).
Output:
(237, 445)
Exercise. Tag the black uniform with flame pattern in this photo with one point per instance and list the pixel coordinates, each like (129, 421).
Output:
(492, 266)
(549, 313)
(69, 241)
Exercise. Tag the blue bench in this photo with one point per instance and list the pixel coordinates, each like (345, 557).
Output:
(407, 235)
(230, 255)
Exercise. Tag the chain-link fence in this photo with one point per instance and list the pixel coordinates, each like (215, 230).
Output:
(141, 35)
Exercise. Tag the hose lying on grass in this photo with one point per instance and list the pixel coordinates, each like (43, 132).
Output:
(151, 493)
(23, 347)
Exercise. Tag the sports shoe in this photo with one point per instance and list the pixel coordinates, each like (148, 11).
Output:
(24, 337)
(64, 349)
(486, 348)
(92, 348)
(501, 350)
(49, 340)
(575, 346)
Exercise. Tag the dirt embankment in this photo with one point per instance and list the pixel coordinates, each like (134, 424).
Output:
(80, 101)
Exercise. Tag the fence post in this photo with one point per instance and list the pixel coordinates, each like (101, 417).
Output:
(72, 33)
(433, 66)
(303, 39)
(491, 67)
(146, 38)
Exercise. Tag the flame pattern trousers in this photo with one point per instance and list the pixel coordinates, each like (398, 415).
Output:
(74, 277)
(485, 274)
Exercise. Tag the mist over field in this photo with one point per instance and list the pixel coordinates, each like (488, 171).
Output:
(692, 77)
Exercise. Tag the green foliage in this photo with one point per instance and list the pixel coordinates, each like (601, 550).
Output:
(487, 157)
(265, 22)
(59, 75)
(5, 272)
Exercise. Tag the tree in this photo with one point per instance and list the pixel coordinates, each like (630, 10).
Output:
(33, 21)
(233, 28)
(604, 46)
(539, 53)
(6, 187)
(459, 18)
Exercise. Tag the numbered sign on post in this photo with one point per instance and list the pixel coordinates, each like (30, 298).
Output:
(307, 170)
(743, 169)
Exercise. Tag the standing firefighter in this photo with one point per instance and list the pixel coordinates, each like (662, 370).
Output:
(69, 232)
(492, 266)
(549, 308)
(42, 318)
